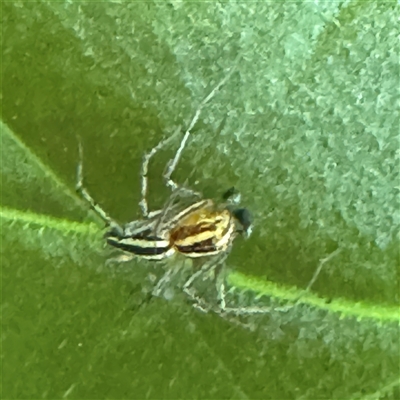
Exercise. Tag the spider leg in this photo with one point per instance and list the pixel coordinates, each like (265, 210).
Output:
(174, 162)
(252, 310)
(317, 271)
(171, 165)
(170, 273)
(145, 168)
(120, 259)
(87, 197)
(199, 302)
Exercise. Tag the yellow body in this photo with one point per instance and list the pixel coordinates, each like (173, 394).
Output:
(203, 231)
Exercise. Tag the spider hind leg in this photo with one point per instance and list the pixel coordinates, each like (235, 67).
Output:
(80, 188)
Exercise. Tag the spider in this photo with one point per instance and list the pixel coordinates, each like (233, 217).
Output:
(197, 230)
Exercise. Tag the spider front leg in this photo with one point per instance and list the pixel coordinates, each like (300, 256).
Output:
(259, 310)
(167, 175)
(173, 163)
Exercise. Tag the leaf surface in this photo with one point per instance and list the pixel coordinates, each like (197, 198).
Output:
(306, 128)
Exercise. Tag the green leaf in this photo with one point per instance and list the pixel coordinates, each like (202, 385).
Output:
(306, 128)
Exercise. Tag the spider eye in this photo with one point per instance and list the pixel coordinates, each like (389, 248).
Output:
(232, 196)
(230, 192)
(244, 217)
